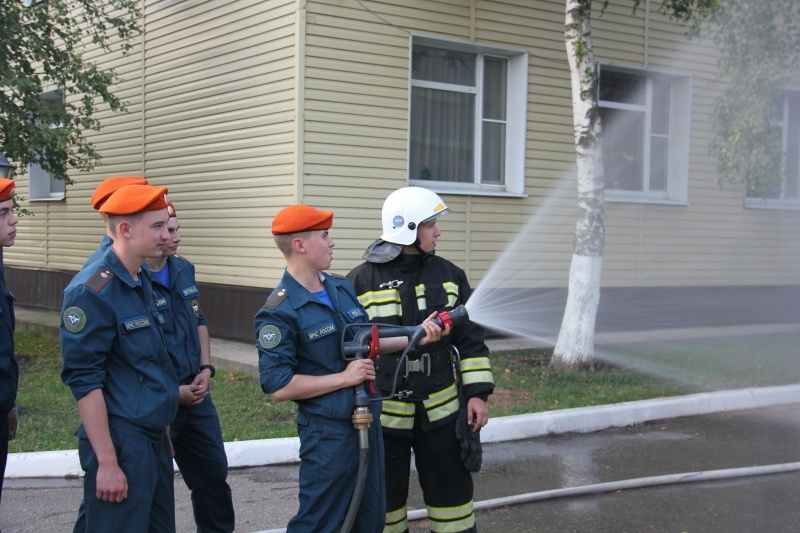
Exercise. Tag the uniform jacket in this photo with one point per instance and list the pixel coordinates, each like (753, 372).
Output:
(98, 254)
(179, 305)
(298, 334)
(9, 371)
(111, 339)
(405, 291)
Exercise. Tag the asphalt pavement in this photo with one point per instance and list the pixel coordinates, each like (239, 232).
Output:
(572, 482)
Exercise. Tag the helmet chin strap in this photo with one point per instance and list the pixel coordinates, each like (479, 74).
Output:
(419, 249)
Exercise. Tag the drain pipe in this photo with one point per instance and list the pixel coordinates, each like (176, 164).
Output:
(655, 481)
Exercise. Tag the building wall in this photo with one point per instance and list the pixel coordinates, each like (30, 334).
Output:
(245, 106)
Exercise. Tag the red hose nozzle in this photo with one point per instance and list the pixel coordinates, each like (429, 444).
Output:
(454, 317)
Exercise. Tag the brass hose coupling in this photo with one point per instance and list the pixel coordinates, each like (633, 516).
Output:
(362, 418)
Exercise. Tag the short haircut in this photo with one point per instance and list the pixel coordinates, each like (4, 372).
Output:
(284, 241)
(113, 220)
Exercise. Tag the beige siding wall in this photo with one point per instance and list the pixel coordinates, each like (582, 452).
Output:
(242, 107)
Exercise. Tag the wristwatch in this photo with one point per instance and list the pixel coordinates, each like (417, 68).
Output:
(210, 367)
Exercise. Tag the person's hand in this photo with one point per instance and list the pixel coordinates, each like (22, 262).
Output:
(192, 394)
(12, 424)
(112, 484)
(433, 333)
(477, 413)
(358, 371)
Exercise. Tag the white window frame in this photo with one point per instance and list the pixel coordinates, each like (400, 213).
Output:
(42, 186)
(791, 204)
(677, 188)
(516, 118)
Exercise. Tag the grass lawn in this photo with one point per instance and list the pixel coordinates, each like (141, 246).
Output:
(524, 382)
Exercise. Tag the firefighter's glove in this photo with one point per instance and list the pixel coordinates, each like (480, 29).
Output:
(471, 449)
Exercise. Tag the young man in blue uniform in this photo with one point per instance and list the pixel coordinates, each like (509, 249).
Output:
(9, 372)
(103, 191)
(299, 335)
(401, 281)
(196, 434)
(116, 363)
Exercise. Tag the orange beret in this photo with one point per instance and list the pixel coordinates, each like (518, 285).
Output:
(6, 189)
(132, 199)
(300, 217)
(109, 185)
(171, 210)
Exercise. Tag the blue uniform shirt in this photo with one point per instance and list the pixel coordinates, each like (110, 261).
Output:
(98, 254)
(179, 304)
(302, 335)
(9, 371)
(111, 339)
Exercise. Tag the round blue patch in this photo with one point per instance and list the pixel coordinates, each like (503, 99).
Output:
(269, 337)
(397, 221)
(74, 319)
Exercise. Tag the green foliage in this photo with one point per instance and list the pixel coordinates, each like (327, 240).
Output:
(760, 41)
(43, 48)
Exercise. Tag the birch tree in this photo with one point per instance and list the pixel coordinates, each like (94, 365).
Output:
(43, 49)
(575, 345)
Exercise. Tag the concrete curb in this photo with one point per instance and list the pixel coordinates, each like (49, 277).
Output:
(65, 463)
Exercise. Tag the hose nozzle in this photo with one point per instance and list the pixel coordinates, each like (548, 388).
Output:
(458, 315)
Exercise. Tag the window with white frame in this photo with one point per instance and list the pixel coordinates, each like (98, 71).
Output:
(645, 133)
(787, 193)
(467, 117)
(43, 186)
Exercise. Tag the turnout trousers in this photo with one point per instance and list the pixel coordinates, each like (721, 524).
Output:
(446, 484)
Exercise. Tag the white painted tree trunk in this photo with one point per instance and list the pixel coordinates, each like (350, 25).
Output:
(575, 344)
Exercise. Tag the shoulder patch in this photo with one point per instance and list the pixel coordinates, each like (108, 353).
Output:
(269, 337)
(275, 299)
(99, 279)
(74, 319)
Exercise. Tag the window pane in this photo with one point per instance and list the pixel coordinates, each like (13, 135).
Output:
(494, 88)
(623, 138)
(443, 66)
(622, 87)
(442, 135)
(659, 162)
(660, 112)
(493, 156)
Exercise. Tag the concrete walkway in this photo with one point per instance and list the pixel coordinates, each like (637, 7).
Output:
(241, 357)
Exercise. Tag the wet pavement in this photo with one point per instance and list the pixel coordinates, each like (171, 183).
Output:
(265, 497)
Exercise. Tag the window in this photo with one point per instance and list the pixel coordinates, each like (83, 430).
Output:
(43, 186)
(467, 117)
(787, 111)
(645, 128)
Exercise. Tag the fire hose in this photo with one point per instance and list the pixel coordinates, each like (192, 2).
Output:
(366, 345)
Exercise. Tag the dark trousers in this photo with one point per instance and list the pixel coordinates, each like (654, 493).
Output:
(150, 505)
(200, 456)
(445, 482)
(329, 451)
(3, 450)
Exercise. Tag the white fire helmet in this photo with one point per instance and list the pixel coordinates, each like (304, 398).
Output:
(405, 209)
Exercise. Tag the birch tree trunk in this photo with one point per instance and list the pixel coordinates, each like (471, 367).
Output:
(575, 344)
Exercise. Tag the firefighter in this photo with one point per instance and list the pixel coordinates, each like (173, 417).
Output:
(402, 282)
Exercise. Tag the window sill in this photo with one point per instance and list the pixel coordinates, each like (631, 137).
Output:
(637, 198)
(56, 197)
(777, 205)
(465, 189)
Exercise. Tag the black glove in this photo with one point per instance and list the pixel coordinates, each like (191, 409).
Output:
(471, 449)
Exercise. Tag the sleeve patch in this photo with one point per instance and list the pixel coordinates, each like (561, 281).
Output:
(269, 337)
(74, 319)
